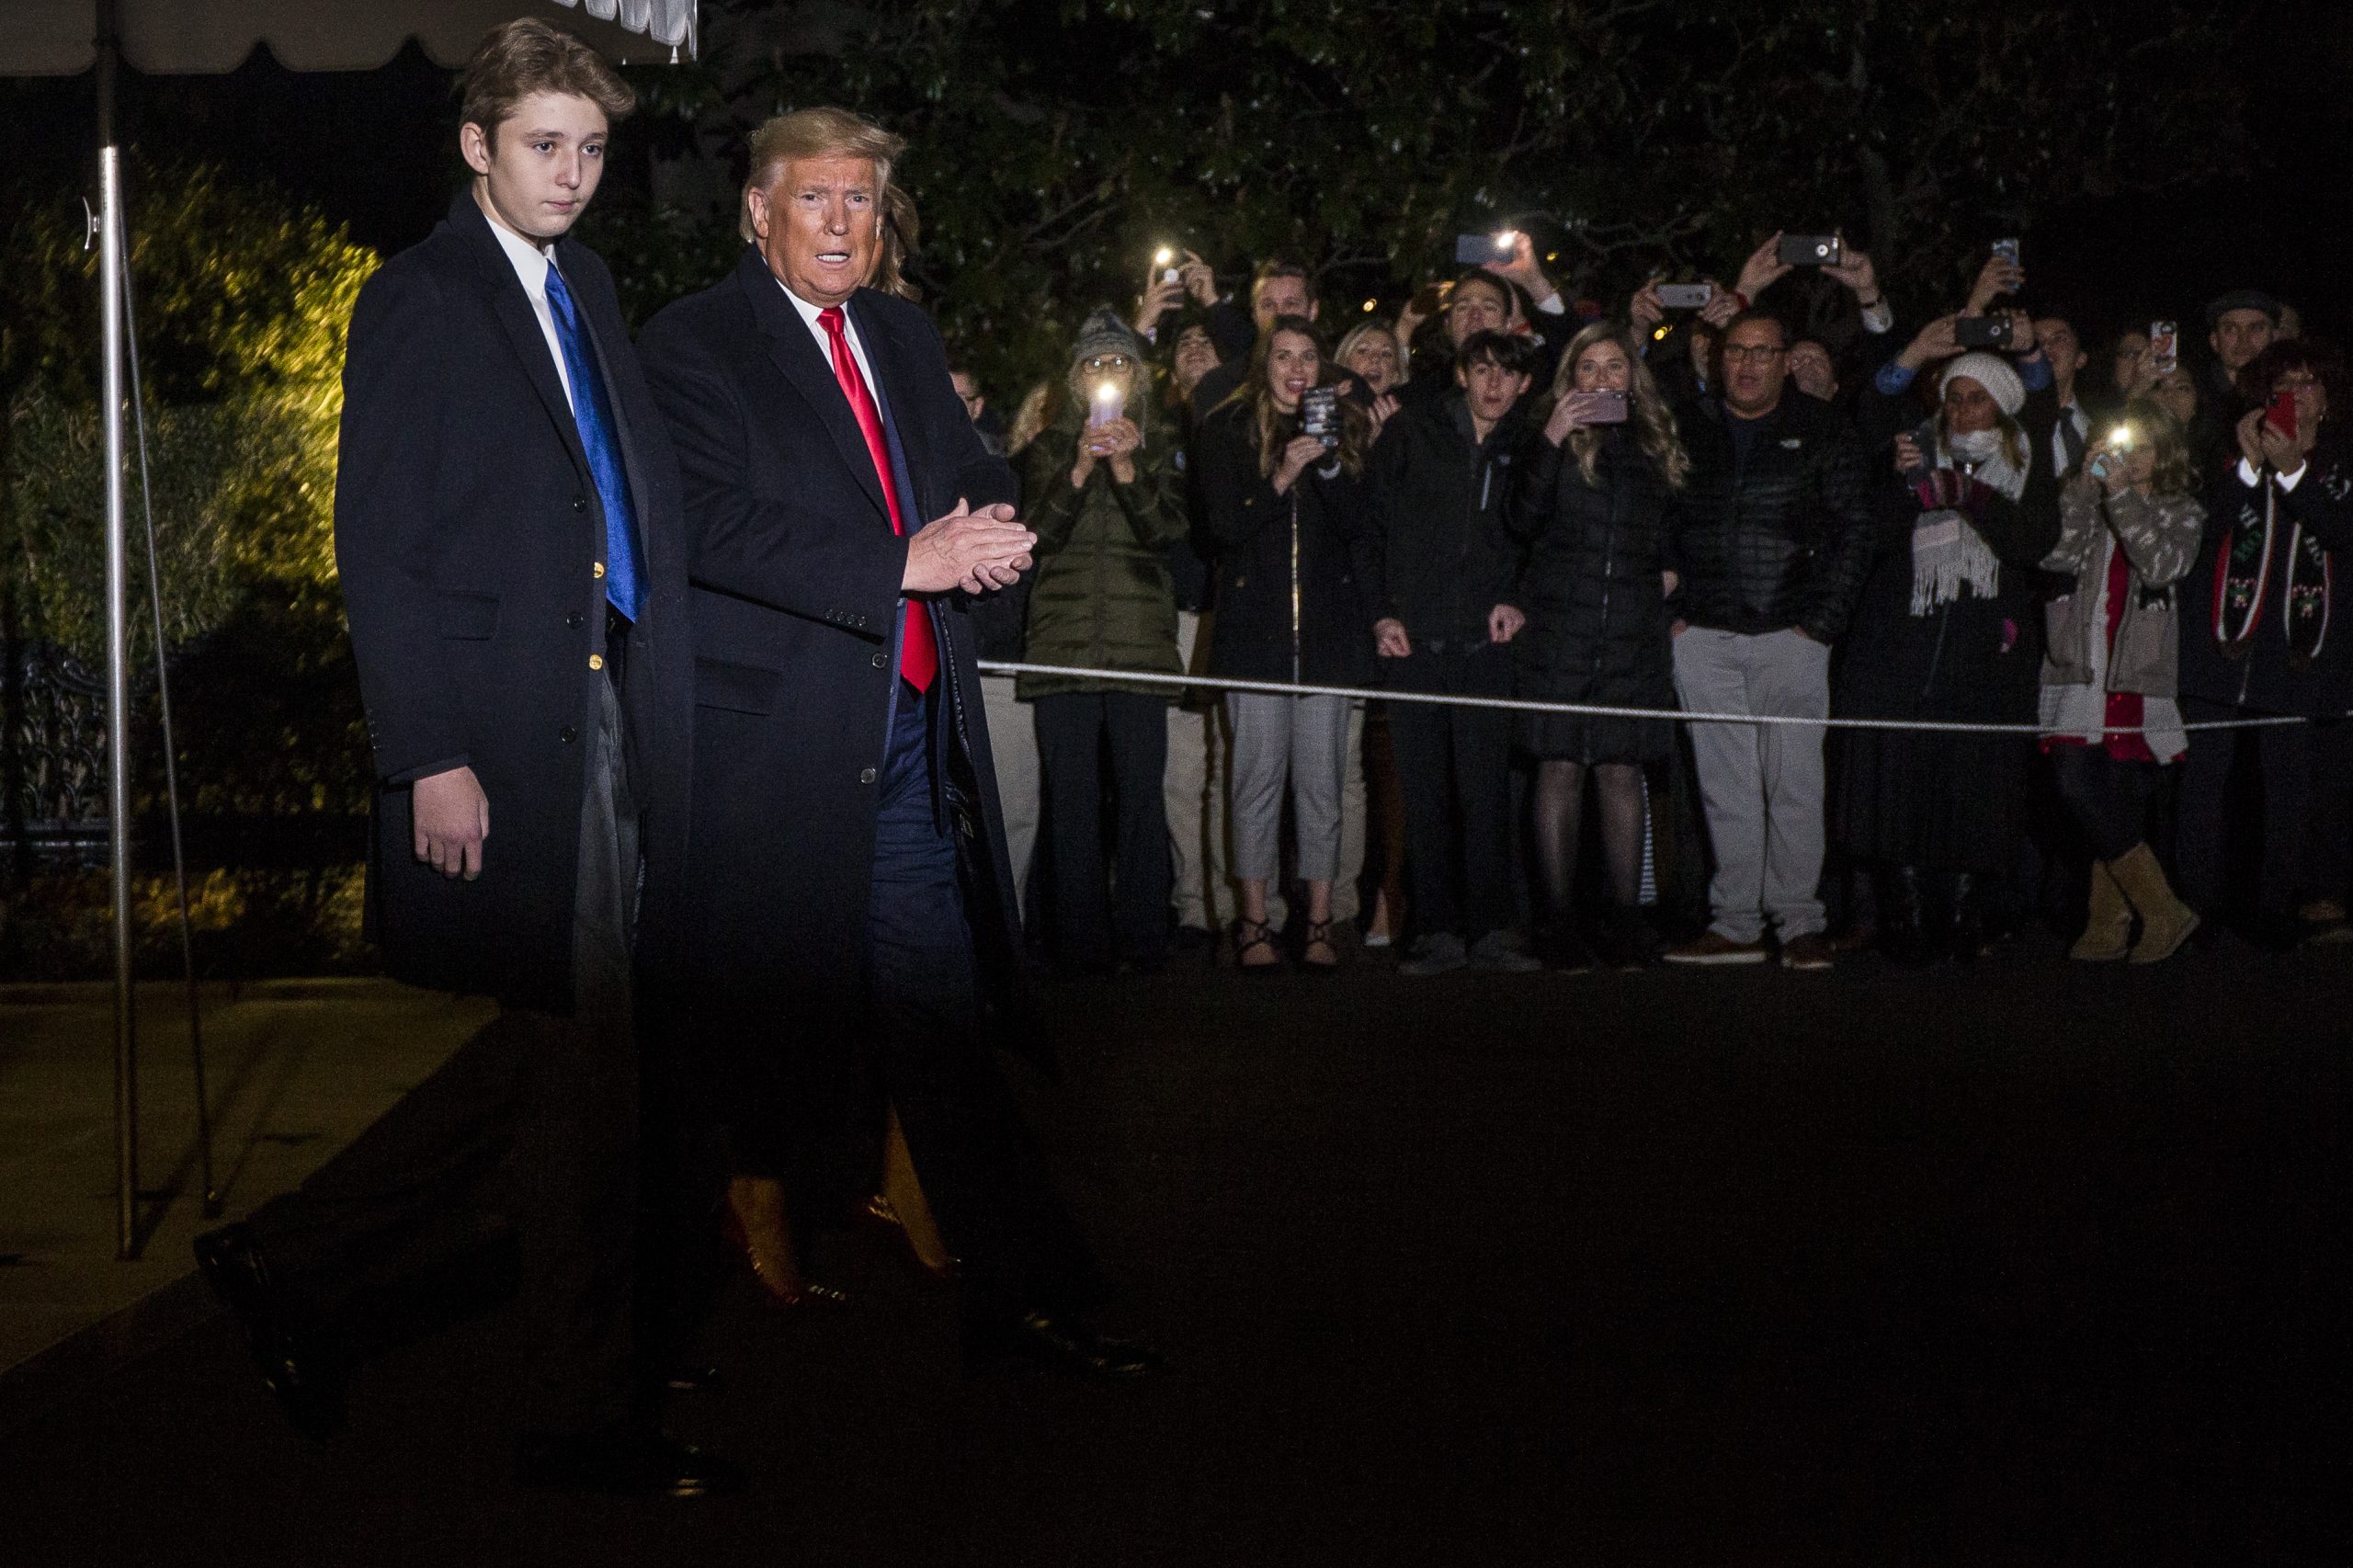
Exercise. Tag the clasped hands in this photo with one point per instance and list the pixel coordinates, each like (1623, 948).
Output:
(1116, 443)
(973, 551)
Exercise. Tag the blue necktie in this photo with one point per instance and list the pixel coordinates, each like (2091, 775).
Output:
(624, 583)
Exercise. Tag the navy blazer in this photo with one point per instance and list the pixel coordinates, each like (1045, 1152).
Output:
(795, 606)
(470, 539)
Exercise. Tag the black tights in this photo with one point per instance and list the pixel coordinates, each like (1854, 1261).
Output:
(1560, 813)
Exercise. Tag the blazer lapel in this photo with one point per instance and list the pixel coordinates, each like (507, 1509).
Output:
(513, 308)
(891, 370)
(793, 351)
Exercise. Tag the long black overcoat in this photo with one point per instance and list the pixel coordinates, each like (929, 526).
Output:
(471, 542)
(794, 599)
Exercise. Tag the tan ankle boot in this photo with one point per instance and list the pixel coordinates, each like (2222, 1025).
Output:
(2108, 933)
(2165, 921)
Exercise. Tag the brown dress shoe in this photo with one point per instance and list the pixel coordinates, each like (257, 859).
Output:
(1715, 948)
(1811, 951)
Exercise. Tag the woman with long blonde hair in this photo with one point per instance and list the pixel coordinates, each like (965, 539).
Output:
(1593, 508)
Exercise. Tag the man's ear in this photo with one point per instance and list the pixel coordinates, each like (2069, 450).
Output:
(757, 200)
(473, 145)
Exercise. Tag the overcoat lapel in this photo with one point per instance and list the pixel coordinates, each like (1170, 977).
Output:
(795, 353)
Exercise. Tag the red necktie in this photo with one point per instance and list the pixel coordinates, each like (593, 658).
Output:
(918, 653)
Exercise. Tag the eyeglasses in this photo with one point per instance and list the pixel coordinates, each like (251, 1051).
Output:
(2294, 380)
(1107, 362)
(1753, 353)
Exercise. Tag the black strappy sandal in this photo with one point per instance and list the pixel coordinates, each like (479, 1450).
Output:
(1244, 940)
(1318, 931)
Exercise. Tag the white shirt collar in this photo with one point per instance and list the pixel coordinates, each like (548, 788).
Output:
(530, 261)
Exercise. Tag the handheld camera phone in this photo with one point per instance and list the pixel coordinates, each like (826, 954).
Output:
(1600, 407)
(1482, 250)
(2165, 347)
(1982, 332)
(1812, 250)
(2006, 250)
(1318, 415)
(1685, 296)
(2280, 413)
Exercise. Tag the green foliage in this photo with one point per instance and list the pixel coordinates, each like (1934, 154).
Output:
(1055, 144)
(241, 304)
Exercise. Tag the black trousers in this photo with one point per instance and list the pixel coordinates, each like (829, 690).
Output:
(2331, 853)
(1454, 774)
(2283, 754)
(982, 1169)
(1074, 729)
(528, 1135)
(2109, 796)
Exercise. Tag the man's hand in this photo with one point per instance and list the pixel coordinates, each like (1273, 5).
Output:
(2138, 369)
(1159, 299)
(1763, 268)
(1933, 342)
(1389, 638)
(1996, 277)
(1523, 270)
(1721, 306)
(1645, 309)
(450, 817)
(1857, 273)
(1504, 622)
(1303, 453)
(1197, 280)
(968, 550)
(2022, 339)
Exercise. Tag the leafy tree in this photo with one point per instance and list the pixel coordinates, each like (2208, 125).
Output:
(1055, 145)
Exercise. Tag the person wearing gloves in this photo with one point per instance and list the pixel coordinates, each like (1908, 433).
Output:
(1945, 630)
(2129, 524)
(1106, 504)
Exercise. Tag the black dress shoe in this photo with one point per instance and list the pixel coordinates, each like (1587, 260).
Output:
(1063, 1344)
(291, 1365)
(627, 1463)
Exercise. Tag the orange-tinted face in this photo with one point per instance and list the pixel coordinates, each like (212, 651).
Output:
(819, 226)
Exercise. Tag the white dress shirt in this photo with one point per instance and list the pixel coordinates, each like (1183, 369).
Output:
(2248, 477)
(825, 342)
(531, 265)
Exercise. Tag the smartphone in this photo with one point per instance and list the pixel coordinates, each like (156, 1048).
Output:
(1812, 250)
(1598, 407)
(2280, 413)
(1685, 296)
(1318, 415)
(2006, 250)
(1482, 250)
(1982, 332)
(2165, 347)
(1164, 268)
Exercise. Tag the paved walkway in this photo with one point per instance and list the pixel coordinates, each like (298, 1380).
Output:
(2025, 1264)
(298, 1068)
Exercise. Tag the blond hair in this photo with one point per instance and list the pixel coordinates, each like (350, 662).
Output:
(1653, 422)
(817, 133)
(526, 57)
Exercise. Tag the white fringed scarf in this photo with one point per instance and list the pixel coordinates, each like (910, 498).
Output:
(1947, 550)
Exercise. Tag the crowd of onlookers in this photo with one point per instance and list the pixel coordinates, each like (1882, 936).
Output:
(1772, 499)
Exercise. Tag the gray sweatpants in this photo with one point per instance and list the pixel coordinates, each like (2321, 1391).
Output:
(1305, 740)
(1761, 784)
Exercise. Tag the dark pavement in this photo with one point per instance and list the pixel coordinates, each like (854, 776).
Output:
(2026, 1263)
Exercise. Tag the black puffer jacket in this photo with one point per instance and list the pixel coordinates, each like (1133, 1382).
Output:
(1441, 555)
(1596, 608)
(1312, 537)
(1781, 539)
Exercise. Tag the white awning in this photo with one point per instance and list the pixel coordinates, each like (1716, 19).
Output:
(57, 38)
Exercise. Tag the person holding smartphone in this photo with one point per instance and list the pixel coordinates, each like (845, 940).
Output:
(2130, 523)
(1593, 506)
(1286, 510)
(2279, 532)
(1944, 633)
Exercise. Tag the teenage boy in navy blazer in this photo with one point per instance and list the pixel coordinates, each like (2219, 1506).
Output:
(507, 531)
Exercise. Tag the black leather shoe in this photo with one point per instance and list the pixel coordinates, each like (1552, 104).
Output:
(290, 1364)
(626, 1463)
(693, 1379)
(1061, 1344)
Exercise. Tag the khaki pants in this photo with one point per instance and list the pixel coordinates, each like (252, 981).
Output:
(1200, 749)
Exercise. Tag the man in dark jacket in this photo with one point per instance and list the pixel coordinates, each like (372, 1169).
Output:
(1771, 540)
(1442, 574)
(507, 524)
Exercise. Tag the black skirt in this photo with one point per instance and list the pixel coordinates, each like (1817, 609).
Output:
(1936, 801)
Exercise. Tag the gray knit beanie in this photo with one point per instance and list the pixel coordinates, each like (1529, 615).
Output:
(1104, 333)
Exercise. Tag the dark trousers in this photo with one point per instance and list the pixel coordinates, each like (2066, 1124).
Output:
(530, 1133)
(1072, 731)
(2109, 796)
(981, 1167)
(1453, 771)
(2331, 861)
(2284, 757)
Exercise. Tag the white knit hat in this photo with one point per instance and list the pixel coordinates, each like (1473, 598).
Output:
(1994, 373)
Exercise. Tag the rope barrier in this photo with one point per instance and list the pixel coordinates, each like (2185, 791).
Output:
(1600, 711)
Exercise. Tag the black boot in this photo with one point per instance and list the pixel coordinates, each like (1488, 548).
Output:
(1965, 917)
(1903, 922)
